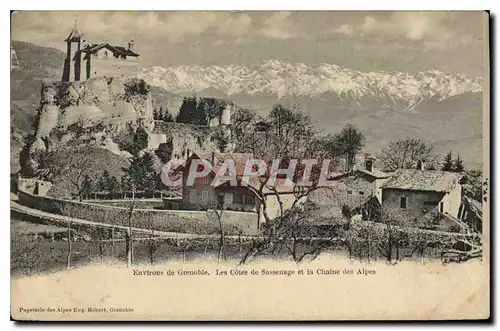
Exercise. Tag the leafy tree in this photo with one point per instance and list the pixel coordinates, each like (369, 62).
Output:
(113, 185)
(72, 166)
(403, 154)
(349, 142)
(448, 162)
(87, 185)
(167, 117)
(211, 108)
(458, 164)
(187, 110)
(290, 132)
(102, 183)
(140, 174)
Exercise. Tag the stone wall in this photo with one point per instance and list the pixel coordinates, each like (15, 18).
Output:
(161, 220)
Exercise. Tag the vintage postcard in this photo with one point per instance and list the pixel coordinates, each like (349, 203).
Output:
(250, 165)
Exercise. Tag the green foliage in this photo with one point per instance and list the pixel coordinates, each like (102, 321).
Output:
(166, 116)
(198, 111)
(140, 174)
(132, 140)
(458, 164)
(348, 143)
(102, 183)
(107, 183)
(448, 162)
(87, 185)
(187, 110)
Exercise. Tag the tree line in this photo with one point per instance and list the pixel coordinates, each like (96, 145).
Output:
(193, 110)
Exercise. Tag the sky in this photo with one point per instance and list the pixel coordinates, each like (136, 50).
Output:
(364, 40)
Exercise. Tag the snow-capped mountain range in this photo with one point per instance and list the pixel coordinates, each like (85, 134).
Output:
(283, 79)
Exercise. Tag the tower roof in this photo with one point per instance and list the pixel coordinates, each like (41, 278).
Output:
(75, 34)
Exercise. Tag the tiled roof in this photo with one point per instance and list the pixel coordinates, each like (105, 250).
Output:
(475, 205)
(423, 180)
(375, 173)
(117, 49)
(239, 159)
(281, 185)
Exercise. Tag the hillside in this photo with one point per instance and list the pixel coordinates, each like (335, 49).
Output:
(36, 64)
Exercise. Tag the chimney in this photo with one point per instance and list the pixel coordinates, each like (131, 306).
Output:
(212, 161)
(131, 45)
(369, 163)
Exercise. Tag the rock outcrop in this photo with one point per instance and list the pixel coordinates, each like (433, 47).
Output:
(107, 113)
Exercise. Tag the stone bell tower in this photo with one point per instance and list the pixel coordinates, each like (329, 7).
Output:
(73, 61)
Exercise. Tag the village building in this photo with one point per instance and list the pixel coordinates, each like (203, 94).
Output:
(203, 194)
(361, 184)
(85, 60)
(471, 213)
(353, 189)
(429, 198)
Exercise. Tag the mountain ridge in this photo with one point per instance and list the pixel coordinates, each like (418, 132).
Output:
(283, 79)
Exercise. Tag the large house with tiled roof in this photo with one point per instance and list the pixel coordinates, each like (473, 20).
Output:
(203, 194)
(424, 193)
(85, 60)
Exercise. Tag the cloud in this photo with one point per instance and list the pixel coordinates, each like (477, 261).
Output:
(344, 29)
(278, 26)
(238, 25)
(173, 26)
(426, 27)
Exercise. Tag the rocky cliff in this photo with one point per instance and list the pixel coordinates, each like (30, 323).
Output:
(105, 113)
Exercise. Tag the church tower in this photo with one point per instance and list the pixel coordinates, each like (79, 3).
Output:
(72, 63)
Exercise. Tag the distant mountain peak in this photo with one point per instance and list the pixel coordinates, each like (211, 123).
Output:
(283, 79)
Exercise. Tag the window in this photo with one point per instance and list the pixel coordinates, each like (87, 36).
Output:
(192, 196)
(204, 196)
(361, 193)
(349, 192)
(403, 202)
(250, 199)
(441, 207)
(238, 198)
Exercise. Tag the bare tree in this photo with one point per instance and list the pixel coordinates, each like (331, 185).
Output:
(153, 242)
(300, 233)
(129, 244)
(75, 166)
(70, 211)
(26, 255)
(215, 214)
(403, 154)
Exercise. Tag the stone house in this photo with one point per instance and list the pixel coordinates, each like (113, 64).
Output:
(429, 195)
(204, 195)
(354, 188)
